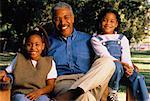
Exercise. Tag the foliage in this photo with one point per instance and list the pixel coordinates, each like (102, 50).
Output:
(18, 16)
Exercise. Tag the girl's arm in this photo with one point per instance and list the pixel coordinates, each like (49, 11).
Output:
(126, 54)
(47, 89)
(52, 75)
(4, 76)
(100, 49)
(127, 67)
(11, 67)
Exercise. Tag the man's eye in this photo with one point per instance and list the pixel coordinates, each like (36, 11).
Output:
(56, 18)
(28, 44)
(67, 17)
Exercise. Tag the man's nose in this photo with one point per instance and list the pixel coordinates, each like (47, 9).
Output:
(62, 21)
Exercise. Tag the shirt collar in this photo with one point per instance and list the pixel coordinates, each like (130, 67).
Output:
(73, 36)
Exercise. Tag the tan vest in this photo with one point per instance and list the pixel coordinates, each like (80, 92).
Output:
(27, 77)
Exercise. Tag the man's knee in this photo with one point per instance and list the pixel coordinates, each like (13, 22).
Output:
(88, 96)
(107, 62)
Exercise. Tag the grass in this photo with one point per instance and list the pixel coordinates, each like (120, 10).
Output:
(6, 58)
(140, 59)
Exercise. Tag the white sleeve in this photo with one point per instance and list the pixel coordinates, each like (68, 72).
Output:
(11, 67)
(126, 54)
(52, 73)
(100, 49)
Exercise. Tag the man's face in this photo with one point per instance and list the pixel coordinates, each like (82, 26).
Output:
(63, 21)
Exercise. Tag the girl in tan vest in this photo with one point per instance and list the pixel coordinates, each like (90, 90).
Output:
(33, 71)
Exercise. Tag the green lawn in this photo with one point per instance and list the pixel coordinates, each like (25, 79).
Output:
(141, 59)
(6, 58)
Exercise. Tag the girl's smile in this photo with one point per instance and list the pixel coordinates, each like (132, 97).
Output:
(109, 23)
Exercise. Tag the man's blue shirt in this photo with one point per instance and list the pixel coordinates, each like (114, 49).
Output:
(72, 55)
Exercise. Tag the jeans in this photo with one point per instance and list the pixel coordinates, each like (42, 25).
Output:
(115, 79)
(22, 97)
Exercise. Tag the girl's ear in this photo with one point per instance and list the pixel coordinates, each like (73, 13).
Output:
(116, 24)
(43, 46)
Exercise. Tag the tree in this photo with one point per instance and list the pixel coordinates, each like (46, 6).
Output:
(18, 16)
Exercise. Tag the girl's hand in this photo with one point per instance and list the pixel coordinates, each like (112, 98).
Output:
(128, 72)
(34, 95)
(128, 69)
(2, 74)
(4, 77)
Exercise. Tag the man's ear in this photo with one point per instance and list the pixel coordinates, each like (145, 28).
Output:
(72, 18)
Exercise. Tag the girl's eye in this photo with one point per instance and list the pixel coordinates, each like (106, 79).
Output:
(104, 19)
(37, 44)
(28, 44)
(112, 21)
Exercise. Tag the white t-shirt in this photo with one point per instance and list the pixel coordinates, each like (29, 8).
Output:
(102, 51)
(52, 73)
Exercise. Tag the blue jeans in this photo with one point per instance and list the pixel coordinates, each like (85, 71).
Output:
(139, 89)
(115, 79)
(21, 97)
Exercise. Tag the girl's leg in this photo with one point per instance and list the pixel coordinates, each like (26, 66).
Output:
(19, 97)
(43, 98)
(114, 82)
(115, 79)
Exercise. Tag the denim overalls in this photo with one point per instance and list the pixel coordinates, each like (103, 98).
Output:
(136, 81)
(114, 48)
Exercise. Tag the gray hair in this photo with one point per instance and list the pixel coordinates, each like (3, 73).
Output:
(60, 5)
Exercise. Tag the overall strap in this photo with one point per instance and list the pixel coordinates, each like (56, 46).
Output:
(99, 38)
(120, 36)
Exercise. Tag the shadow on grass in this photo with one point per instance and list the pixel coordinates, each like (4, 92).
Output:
(141, 52)
(141, 62)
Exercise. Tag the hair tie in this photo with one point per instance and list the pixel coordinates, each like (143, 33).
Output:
(36, 28)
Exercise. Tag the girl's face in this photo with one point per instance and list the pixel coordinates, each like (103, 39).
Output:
(35, 46)
(109, 23)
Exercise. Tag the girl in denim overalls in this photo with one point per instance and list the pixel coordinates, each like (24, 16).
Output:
(116, 46)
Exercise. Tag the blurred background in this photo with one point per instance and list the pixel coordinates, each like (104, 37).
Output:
(18, 16)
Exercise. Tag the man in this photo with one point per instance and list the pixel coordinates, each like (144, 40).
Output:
(78, 79)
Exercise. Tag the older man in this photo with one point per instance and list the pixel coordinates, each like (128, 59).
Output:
(78, 77)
